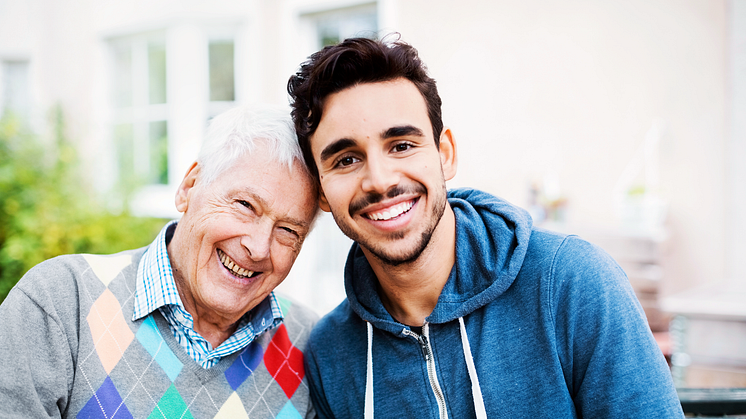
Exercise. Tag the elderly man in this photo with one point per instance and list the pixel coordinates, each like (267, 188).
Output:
(188, 326)
(457, 306)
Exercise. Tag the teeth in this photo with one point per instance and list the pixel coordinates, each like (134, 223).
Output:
(228, 263)
(392, 212)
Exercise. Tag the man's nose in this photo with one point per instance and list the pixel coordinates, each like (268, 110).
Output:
(379, 175)
(257, 241)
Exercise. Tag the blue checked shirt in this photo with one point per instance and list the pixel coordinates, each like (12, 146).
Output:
(156, 290)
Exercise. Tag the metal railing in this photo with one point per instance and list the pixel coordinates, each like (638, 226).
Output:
(713, 402)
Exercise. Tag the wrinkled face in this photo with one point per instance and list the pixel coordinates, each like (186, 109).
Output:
(239, 235)
(382, 176)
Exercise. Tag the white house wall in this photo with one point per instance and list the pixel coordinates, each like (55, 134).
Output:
(533, 90)
(570, 88)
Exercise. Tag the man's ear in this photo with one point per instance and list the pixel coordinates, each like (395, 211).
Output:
(448, 154)
(323, 203)
(182, 194)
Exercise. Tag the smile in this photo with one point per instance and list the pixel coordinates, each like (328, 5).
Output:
(233, 267)
(391, 212)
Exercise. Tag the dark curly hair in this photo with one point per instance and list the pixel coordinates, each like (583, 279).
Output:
(349, 63)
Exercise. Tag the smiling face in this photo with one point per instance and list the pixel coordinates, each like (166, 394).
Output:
(381, 174)
(240, 234)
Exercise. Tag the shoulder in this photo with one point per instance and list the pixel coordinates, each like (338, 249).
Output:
(78, 265)
(341, 316)
(554, 243)
(338, 327)
(544, 244)
(573, 271)
(296, 315)
(336, 349)
(569, 254)
(52, 280)
(59, 282)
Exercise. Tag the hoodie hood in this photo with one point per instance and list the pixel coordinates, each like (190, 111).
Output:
(492, 238)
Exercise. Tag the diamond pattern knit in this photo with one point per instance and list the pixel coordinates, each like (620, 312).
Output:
(126, 369)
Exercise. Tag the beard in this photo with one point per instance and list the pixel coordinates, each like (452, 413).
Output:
(380, 248)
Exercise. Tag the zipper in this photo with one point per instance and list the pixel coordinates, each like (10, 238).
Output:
(427, 353)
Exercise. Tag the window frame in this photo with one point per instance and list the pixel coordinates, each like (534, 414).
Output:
(138, 111)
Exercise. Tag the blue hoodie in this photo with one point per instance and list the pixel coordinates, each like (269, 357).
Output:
(530, 324)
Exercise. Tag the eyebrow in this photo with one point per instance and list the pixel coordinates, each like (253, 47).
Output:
(402, 131)
(335, 147)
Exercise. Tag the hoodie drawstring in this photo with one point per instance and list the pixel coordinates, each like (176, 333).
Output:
(476, 390)
(369, 377)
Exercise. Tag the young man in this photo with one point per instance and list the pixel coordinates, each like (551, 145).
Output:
(456, 305)
(189, 326)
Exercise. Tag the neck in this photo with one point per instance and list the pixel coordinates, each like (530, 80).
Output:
(209, 324)
(410, 291)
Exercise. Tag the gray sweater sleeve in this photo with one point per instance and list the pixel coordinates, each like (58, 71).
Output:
(36, 361)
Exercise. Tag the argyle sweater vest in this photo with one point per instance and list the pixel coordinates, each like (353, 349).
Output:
(70, 349)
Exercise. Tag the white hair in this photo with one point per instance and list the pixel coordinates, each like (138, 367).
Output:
(233, 134)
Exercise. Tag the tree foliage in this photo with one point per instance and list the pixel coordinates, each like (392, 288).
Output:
(47, 209)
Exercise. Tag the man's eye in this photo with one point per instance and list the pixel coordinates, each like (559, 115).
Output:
(290, 230)
(289, 237)
(245, 204)
(402, 147)
(346, 161)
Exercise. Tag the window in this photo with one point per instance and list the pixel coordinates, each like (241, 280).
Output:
(139, 98)
(333, 26)
(163, 88)
(222, 85)
(15, 93)
(222, 80)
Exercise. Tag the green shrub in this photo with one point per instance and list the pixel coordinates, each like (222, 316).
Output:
(47, 209)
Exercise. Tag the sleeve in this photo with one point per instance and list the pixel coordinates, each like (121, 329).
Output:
(612, 364)
(36, 363)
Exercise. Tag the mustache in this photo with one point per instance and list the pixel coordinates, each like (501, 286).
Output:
(374, 197)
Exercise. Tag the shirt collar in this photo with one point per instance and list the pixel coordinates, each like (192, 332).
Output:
(155, 279)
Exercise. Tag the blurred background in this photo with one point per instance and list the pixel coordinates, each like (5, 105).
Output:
(622, 121)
